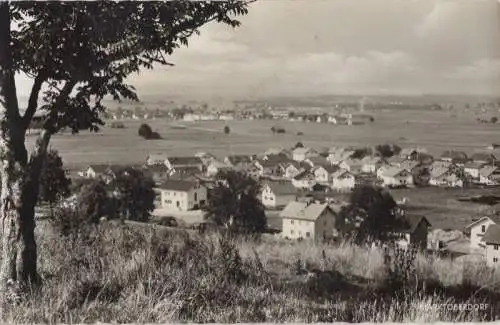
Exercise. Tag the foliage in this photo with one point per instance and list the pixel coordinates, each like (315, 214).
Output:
(145, 131)
(133, 194)
(226, 129)
(360, 153)
(234, 203)
(387, 150)
(494, 119)
(54, 184)
(93, 203)
(374, 209)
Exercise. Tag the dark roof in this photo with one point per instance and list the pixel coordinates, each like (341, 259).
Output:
(410, 222)
(177, 185)
(330, 168)
(185, 161)
(455, 155)
(492, 235)
(238, 159)
(282, 187)
(278, 159)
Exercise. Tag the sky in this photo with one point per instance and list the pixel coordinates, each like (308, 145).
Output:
(317, 47)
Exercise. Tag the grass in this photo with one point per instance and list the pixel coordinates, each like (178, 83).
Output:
(139, 275)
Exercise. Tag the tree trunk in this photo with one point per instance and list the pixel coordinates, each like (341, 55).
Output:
(18, 261)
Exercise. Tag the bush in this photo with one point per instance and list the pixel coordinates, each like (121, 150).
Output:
(226, 129)
(145, 131)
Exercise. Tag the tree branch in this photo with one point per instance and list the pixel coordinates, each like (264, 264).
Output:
(49, 123)
(33, 100)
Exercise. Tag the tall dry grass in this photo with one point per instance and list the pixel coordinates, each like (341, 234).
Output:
(130, 275)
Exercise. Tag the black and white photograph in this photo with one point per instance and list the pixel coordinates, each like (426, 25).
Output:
(249, 161)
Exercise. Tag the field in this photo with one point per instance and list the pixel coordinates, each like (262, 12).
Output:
(434, 130)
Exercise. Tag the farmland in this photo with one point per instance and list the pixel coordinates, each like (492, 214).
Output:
(434, 130)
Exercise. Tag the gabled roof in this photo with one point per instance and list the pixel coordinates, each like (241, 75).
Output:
(281, 187)
(318, 160)
(474, 165)
(396, 160)
(483, 156)
(493, 217)
(392, 171)
(330, 169)
(371, 160)
(303, 210)
(492, 235)
(340, 173)
(155, 169)
(278, 159)
(185, 161)
(304, 175)
(178, 185)
(275, 151)
(103, 168)
(439, 172)
(157, 157)
(486, 171)
(410, 222)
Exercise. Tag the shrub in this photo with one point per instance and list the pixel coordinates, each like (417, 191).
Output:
(226, 129)
(145, 131)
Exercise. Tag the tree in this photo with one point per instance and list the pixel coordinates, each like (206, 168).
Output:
(145, 131)
(273, 130)
(298, 145)
(76, 54)
(54, 184)
(387, 150)
(494, 119)
(226, 129)
(133, 194)
(234, 203)
(93, 203)
(360, 153)
(374, 209)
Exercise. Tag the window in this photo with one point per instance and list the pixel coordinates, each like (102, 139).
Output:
(308, 234)
(483, 228)
(195, 196)
(495, 259)
(495, 247)
(178, 204)
(175, 193)
(291, 222)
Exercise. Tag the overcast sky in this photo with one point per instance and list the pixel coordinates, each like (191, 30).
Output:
(309, 47)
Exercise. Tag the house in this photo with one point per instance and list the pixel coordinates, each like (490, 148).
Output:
(317, 161)
(184, 172)
(216, 166)
(309, 221)
(412, 231)
(472, 169)
(337, 155)
(396, 161)
(354, 166)
(458, 157)
(277, 194)
(277, 152)
(444, 177)
(343, 180)
(477, 229)
(323, 174)
(205, 157)
(184, 162)
(156, 159)
(492, 242)
(182, 195)
(410, 165)
(301, 154)
(304, 180)
(489, 175)
(412, 153)
(370, 165)
(105, 172)
(158, 173)
(292, 169)
(269, 168)
(392, 176)
(239, 160)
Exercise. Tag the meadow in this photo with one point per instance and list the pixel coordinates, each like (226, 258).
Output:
(126, 275)
(435, 130)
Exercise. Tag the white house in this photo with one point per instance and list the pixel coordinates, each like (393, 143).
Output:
(395, 176)
(337, 155)
(317, 161)
(301, 154)
(492, 242)
(309, 221)
(472, 169)
(304, 180)
(292, 169)
(370, 165)
(216, 166)
(489, 175)
(323, 174)
(182, 195)
(478, 228)
(354, 166)
(156, 159)
(343, 180)
(184, 162)
(276, 194)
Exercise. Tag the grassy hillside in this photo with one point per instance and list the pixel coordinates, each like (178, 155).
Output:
(141, 275)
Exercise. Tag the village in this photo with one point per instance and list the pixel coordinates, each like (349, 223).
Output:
(304, 189)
